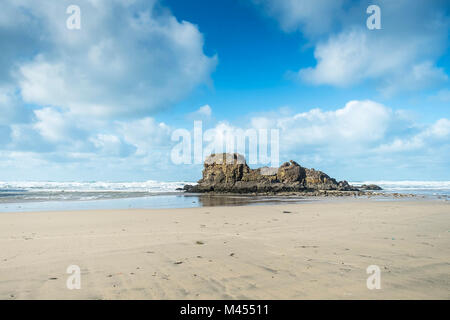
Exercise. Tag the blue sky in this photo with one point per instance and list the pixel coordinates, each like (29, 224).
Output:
(102, 102)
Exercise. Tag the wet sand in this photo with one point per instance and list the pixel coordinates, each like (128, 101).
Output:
(288, 251)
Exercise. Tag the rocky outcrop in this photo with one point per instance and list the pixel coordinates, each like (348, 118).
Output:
(321, 181)
(218, 169)
(290, 172)
(229, 173)
(370, 187)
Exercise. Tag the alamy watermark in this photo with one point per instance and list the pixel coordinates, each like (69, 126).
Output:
(74, 280)
(73, 22)
(261, 145)
(374, 20)
(374, 280)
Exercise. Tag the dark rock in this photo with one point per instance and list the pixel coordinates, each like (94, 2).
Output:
(370, 187)
(319, 180)
(188, 187)
(229, 173)
(291, 172)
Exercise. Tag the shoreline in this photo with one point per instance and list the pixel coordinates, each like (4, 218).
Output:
(315, 250)
(198, 200)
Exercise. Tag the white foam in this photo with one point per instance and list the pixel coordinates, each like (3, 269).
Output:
(407, 185)
(51, 186)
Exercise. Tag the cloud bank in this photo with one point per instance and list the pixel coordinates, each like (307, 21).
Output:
(69, 95)
(400, 57)
(80, 104)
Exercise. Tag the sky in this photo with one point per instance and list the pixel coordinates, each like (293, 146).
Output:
(107, 101)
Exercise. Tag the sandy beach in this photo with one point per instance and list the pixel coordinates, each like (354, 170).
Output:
(294, 251)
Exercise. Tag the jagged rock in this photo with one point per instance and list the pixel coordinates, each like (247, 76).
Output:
(188, 188)
(291, 172)
(224, 173)
(370, 187)
(319, 180)
(224, 168)
(343, 185)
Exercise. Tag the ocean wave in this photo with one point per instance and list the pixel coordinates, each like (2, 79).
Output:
(434, 188)
(96, 186)
(408, 184)
(44, 191)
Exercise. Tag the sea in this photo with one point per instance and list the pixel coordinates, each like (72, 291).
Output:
(21, 196)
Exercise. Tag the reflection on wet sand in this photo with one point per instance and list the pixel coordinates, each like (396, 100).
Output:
(206, 200)
(111, 200)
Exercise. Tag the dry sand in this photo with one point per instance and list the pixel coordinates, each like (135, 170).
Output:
(302, 251)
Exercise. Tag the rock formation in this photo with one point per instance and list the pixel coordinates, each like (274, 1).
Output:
(370, 187)
(229, 173)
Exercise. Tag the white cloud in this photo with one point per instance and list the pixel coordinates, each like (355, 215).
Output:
(93, 90)
(129, 58)
(357, 55)
(315, 17)
(440, 130)
(360, 133)
(356, 126)
(359, 129)
(202, 113)
(205, 111)
(111, 145)
(437, 133)
(86, 95)
(145, 134)
(423, 75)
(352, 56)
(69, 133)
(401, 56)
(51, 124)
